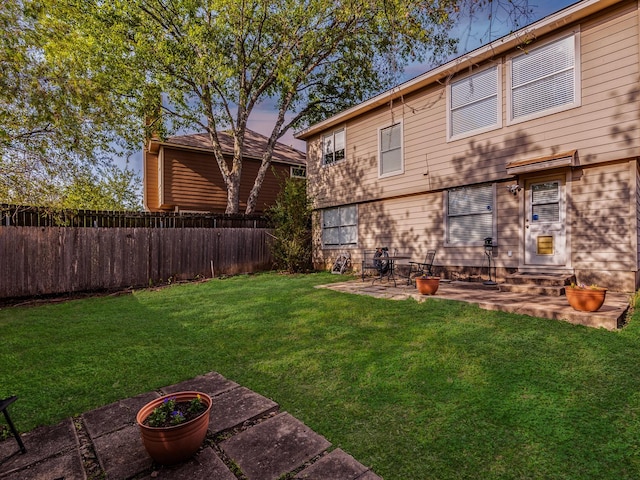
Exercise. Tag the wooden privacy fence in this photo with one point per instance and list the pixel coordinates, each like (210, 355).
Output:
(54, 260)
(29, 216)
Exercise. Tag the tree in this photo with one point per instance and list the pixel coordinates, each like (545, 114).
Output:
(110, 188)
(68, 184)
(54, 129)
(207, 64)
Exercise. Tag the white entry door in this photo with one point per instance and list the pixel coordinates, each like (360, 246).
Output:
(545, 222)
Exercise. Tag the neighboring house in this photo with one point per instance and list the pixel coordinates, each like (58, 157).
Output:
(532, 140)
(181, 173)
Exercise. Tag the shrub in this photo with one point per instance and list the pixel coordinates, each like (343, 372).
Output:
(291, 220)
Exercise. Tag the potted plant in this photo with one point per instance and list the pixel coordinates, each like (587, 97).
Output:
(427, 284)
(585, 298)
(173, 427)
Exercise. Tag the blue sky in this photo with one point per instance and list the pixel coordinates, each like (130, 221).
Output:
(472, 34)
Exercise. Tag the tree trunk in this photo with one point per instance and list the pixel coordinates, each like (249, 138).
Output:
(257, 185)
(233, 194)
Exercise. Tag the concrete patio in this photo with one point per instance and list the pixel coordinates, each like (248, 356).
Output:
(611, 316)
(248, 438)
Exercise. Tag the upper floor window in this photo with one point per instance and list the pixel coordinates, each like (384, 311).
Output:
(298, 171)
(390, 139)
(333, 147)
(474, 104)
(340, 226)
(544, 80)
(470, 214)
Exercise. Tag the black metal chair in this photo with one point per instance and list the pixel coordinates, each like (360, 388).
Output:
(423, 268)
(375, 260)
(4, 405)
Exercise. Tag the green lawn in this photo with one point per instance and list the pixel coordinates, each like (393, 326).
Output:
(433, 390)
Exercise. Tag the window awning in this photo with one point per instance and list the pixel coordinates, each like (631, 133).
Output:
(558, 160)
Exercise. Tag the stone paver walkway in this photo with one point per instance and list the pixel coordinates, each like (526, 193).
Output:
(610, 316)
(248, 438)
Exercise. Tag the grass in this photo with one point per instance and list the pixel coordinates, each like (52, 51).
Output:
(434, 390)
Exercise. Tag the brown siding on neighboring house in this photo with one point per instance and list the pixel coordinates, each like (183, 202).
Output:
(193, 182)
(271, 186)
(181, 172)
(150, 174)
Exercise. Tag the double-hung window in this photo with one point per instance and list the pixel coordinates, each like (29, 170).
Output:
(390, 139)
(474, 104)
(340, 226)
(544, 80)
(333, 147)
(470, 214)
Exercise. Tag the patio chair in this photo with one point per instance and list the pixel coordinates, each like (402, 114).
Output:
(375, 260)
(423, 268)
(4, 405)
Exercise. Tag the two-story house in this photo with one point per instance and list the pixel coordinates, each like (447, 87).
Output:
(181, 173)
(532, 140)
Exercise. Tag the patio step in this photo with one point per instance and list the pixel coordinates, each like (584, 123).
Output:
(552, 285)
(471, 285)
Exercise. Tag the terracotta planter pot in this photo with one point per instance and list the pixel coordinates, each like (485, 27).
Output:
(586, 299)
(427, 286)
(174, 444)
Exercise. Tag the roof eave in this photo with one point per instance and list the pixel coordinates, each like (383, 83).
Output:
(154, 146)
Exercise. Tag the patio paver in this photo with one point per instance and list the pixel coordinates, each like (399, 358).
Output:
(206, 465)
(115, 416)
(41, 444)
(67, 466)
(337, 465)
(263, 443)
(274, 447)
(237, 406)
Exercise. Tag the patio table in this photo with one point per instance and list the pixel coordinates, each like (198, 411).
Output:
(390, 273)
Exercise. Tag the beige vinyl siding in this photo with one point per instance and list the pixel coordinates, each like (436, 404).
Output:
(407, 211)
(602, 218)
(509, 226)
(603, 128)
(637, 224)
(416, 224)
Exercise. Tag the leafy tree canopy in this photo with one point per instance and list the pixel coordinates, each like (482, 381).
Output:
(56, 128)
(207, 64)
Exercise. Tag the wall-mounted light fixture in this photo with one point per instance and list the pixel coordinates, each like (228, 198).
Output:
(514, 189)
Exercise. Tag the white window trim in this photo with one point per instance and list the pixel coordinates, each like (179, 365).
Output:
(396, 172)
(488, 128)
(293, 168)
(577, 78)
(475, 243)
(333, 133)
(342, 245)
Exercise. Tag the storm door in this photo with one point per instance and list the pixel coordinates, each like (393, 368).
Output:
(545, 222)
